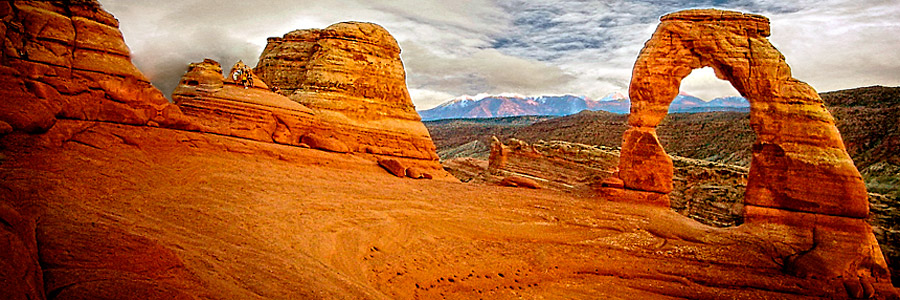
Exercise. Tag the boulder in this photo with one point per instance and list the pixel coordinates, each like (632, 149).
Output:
(326, 143)
(416, 173)
(519, 181)
(393, 166)
(612, 182)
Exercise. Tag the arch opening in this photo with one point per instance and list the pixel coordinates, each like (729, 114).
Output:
(707, 132)
(795, 134)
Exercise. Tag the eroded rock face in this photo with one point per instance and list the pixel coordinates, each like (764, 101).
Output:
(351, 75)
(68, 60)
(20, 270)
(709, 192)
(224, 106)
(800, 173)
(799, 162)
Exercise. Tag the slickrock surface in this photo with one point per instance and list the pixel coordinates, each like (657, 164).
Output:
(69, 61)
(215, 217)
(351, 75)
(800, 175)
(108, 208)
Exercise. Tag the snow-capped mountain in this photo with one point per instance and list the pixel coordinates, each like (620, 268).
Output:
(506, 105)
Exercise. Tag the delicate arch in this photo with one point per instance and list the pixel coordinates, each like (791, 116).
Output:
(799, 160)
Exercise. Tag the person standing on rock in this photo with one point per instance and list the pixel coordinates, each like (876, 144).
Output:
(244, 77)
(249, 77)
(236, 75)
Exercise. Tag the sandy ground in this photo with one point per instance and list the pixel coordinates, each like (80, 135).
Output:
(225, 218)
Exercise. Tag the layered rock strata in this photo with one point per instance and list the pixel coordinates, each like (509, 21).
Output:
(709, 192)
(148, 213)
(795, 133)
(225, 106)
(67, 60)
(351, 75)
(800, 173)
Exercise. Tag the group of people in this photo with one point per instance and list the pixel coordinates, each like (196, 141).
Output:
(244, 75)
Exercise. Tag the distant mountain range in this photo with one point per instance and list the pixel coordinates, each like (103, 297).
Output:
(507, 105)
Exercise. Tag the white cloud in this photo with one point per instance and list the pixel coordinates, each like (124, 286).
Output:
(427, 99)
(704, 84)
(841, 45)
(452, 48)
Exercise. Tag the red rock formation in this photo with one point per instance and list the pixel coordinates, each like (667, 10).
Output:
(316, 141)
(113, 211)
(795, 133)
(351, 75)
(498, 157)
(226, 107)
(250, 219)
(519, 181)
(68, 60)
(20, 270)
(800, 173)
(393, 166)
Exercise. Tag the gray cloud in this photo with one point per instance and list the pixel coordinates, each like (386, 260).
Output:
(452, 48)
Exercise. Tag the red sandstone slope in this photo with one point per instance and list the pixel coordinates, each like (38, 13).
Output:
(114, 208)
(218, 217)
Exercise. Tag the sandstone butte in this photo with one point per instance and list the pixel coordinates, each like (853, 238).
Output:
(354, 115)
(351, 76)
(110, 192)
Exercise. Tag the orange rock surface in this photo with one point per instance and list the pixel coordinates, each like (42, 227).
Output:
(799, 162)
(225, 106)
(68, 60)
(800, 174)
(215, 217)
(351, 75)
(109, 206)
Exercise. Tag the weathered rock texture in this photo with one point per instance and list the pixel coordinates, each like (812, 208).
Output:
(795, 134)
(224, 106)
(709, 192)
(216, 217)
(118, 211)
(866, 117)
(351, 75)
(20, 269)
(67, 60)
(800, 173)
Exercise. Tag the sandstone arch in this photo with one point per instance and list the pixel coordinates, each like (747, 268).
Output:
(799, 161)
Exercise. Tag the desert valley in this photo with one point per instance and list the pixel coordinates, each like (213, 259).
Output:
(312, 176)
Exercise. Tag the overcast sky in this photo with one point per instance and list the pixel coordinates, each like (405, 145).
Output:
(551, 47)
